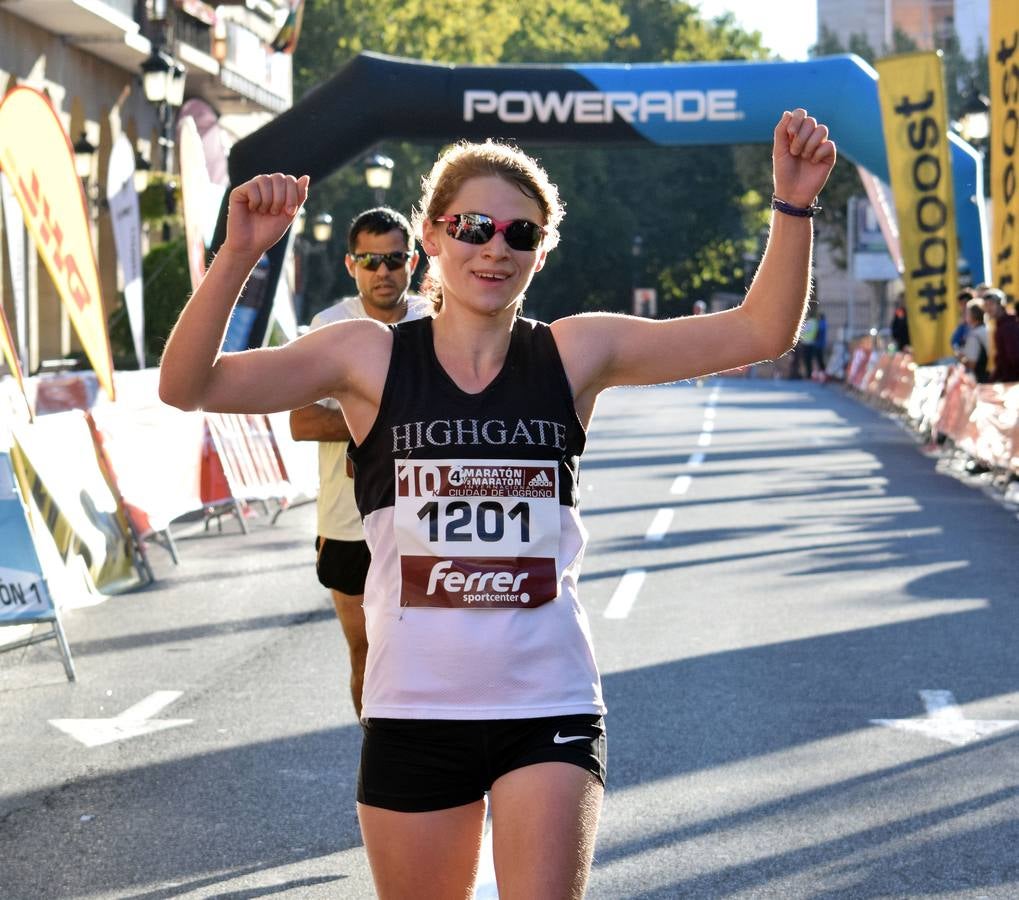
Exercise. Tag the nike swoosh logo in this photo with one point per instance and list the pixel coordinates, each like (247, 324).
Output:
(559, 739)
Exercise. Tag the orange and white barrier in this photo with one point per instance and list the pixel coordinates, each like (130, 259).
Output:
(925, 399)
(247, 454)
(858, 365)
(167, 463)
(993, 427)
(980, 420)
(956, 405)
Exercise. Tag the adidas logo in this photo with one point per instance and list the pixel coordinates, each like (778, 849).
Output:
(540, 480)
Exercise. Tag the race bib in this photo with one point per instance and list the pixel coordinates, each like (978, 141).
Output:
(477, 534)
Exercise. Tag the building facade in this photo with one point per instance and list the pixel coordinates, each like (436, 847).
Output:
(927, 22)
(87, 56)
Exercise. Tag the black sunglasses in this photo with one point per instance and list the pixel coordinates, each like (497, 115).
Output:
(371, 261)
(477, 228)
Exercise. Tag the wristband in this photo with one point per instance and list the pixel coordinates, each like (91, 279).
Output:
(802, 212)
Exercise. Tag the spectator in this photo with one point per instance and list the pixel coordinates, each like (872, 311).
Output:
(973, 355)
(487, 686)
(1003, 338)
(380, 258)
(803, 358)
(821, 342)
(900, 326)
(958, 339)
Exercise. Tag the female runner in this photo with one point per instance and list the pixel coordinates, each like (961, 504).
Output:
(468, 428)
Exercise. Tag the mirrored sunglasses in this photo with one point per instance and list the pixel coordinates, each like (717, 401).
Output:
(477, 228)
(371, 261)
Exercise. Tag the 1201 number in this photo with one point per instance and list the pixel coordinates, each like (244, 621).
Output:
(461, 522)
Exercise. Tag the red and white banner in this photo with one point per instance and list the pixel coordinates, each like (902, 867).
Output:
(36, 155)
(127, 236)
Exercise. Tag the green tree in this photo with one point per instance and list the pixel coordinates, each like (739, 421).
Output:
(691, 206)
(167, 286)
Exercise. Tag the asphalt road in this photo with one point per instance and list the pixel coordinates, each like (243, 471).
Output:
(808, 639)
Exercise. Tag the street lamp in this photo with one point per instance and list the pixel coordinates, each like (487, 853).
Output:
(312, 250)
(322, 227)
(378, 173)
(84, 156)
(142, 168)
(163, 80)
(84, 151)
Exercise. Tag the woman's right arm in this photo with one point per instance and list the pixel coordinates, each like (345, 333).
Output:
(195, 374)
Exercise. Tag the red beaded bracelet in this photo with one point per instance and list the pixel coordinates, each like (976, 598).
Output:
(803, 212)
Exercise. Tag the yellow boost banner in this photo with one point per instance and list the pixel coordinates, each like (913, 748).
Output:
(915, 118)
(37, 158)
(1003, 62)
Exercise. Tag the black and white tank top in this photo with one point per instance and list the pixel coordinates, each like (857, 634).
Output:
(470, 511)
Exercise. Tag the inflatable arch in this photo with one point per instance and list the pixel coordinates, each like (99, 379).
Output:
(376, 97)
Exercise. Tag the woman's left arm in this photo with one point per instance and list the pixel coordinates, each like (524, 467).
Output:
(601, 350)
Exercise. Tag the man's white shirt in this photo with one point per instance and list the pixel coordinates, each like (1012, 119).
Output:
(338, 518)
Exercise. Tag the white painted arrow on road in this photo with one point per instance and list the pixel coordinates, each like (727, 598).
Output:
(133, 722)
(945, 721)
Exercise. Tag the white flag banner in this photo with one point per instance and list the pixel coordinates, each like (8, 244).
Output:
(14, 225)
(127, 230)
(283, 312)
(881, 202)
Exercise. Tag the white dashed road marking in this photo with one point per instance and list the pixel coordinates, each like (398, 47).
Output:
(681, 485)
(630, 584)
(659, 525)
(626, 593)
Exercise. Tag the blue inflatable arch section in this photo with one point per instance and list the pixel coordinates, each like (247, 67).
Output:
(376, 97)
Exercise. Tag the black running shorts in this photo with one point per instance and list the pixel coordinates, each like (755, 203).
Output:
(422, 765)
(342, 565)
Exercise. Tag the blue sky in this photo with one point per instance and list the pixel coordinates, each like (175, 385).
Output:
(789, 27)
